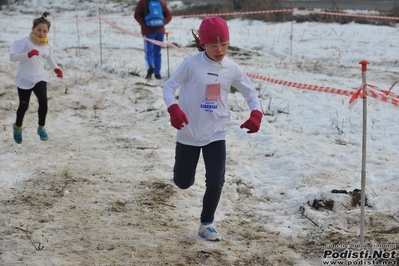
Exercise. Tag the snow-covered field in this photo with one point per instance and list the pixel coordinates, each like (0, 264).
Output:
(100, 190)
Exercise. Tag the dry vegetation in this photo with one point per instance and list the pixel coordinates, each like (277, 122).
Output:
(255, 5)
(228, 6)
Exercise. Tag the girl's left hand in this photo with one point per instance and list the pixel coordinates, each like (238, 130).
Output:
(59, 73)
(253, 123)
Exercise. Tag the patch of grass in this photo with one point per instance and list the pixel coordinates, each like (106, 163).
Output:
(393, 230)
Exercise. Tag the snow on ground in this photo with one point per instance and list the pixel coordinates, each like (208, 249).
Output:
(100, 190)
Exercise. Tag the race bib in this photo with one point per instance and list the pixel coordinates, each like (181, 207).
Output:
(213, 92)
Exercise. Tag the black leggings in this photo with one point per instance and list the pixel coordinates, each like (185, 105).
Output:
(186, 161)
(40, 90)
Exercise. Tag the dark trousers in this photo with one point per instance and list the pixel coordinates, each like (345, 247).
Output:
(186, 160)
(40, 90)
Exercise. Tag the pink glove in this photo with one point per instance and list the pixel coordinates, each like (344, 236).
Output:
(177, 117)
(59, 73)
(32, 53)
(253, 123)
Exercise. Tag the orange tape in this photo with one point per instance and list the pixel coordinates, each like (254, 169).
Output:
(303, 86)
(236, 14)
(347, 15)
(360, 93)
(132, 33)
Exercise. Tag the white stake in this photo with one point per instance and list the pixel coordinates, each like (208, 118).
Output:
(363, 174)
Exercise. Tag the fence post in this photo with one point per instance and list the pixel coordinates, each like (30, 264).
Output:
(292, 25)
(363, 173)
(54, 29)
(77, 31)
(167, 51)
(101, 47)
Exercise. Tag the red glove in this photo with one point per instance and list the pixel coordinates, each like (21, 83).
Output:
(177, 117)
(32, 53)
(59, 73)
(253, 123)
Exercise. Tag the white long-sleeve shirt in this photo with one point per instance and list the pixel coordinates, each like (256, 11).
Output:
(207, 118)
(31, 70)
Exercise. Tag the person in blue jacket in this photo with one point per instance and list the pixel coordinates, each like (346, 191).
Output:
(152, 52)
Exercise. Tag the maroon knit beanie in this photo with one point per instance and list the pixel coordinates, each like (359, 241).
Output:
(213, 29)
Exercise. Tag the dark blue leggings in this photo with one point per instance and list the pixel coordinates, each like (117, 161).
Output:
(153, 52)
(186, 161)
(40, 90)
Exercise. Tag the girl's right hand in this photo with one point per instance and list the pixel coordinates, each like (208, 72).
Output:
(32, 53)
(177, 117)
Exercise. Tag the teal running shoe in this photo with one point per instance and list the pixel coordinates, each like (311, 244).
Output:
(41, 131)
(17, 135)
